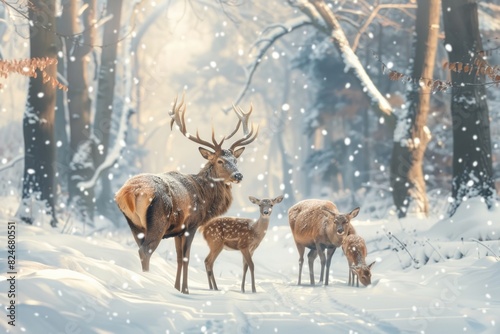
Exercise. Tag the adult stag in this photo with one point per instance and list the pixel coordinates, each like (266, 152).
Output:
(159, 206)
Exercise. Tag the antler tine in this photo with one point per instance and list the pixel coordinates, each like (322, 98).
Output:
(178, 115)
(173, 114)
(247, 139)
(246, 118)
(217, 145)
(243, 118)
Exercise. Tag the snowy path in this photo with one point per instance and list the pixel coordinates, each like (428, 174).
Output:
(74, 284)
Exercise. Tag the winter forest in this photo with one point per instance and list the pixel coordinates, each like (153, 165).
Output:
(192, 166)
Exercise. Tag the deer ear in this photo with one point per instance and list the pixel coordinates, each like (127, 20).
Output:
(354, 213)
(278, 199)
(371, 264)
(205, 153)
(238, 152)
(254, 200)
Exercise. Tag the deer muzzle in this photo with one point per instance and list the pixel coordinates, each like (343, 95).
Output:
(237, 177)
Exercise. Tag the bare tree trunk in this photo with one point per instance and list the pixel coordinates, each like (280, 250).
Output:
(412, 135)
(472, 162)
(105, 97)
(38, 120)
(63, 156)
(286, 166)
(79, 103)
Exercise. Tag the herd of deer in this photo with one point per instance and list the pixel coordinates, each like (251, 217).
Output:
(159, 206)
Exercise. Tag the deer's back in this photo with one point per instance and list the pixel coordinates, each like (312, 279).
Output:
(167, 191)
(308, 221)
(354, 248)
(234, 233)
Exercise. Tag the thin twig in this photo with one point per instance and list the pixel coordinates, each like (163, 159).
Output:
(12, 162)
(404, 247)
(485, 246)
(440, 255)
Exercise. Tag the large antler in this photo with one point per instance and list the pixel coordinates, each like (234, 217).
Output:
(178, 117)
(248, 135)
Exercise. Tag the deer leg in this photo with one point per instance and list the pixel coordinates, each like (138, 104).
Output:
(186, 251)
(245, 268)
(350, 274)
(146, 249)
(248, 259)
(136, 231)
(179, 241)
(329, 256)
(311, 256)
(301, 250)
(209, 265)
(322, 258)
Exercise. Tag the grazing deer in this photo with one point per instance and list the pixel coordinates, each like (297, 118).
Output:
(354, 248)
(318, 225)
(172, 204)
(241, 234)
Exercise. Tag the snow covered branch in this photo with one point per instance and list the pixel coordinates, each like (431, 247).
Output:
(268, 37)
(321, 14)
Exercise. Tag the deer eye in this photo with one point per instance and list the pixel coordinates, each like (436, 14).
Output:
(220, 162)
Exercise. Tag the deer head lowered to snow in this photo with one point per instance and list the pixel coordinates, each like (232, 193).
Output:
(173, 204)
(241, 234)
(319, 226)
(354, 248)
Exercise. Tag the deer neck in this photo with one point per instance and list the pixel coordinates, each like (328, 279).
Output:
(261, 225)
(215, 194)
(360, 260)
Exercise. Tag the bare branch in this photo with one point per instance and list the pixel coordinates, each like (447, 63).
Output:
(372, 16)
(269, 37)
(12, 162)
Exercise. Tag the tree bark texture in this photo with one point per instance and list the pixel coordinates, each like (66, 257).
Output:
(105, 96)
(412, 134)
(79, 104)
(38, 120)
(472, 160)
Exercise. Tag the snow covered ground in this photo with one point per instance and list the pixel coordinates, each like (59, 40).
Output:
(92, 283)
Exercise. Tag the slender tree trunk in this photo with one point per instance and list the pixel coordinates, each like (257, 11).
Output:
(79, 104)
(105, 96)
(286, 166)
(472, 162)
(63, 156)
(38, 120)
(412, 135)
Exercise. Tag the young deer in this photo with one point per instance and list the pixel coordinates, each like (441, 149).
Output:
(172, 204)
(241, 234)
(354, 248)
(319, 226)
